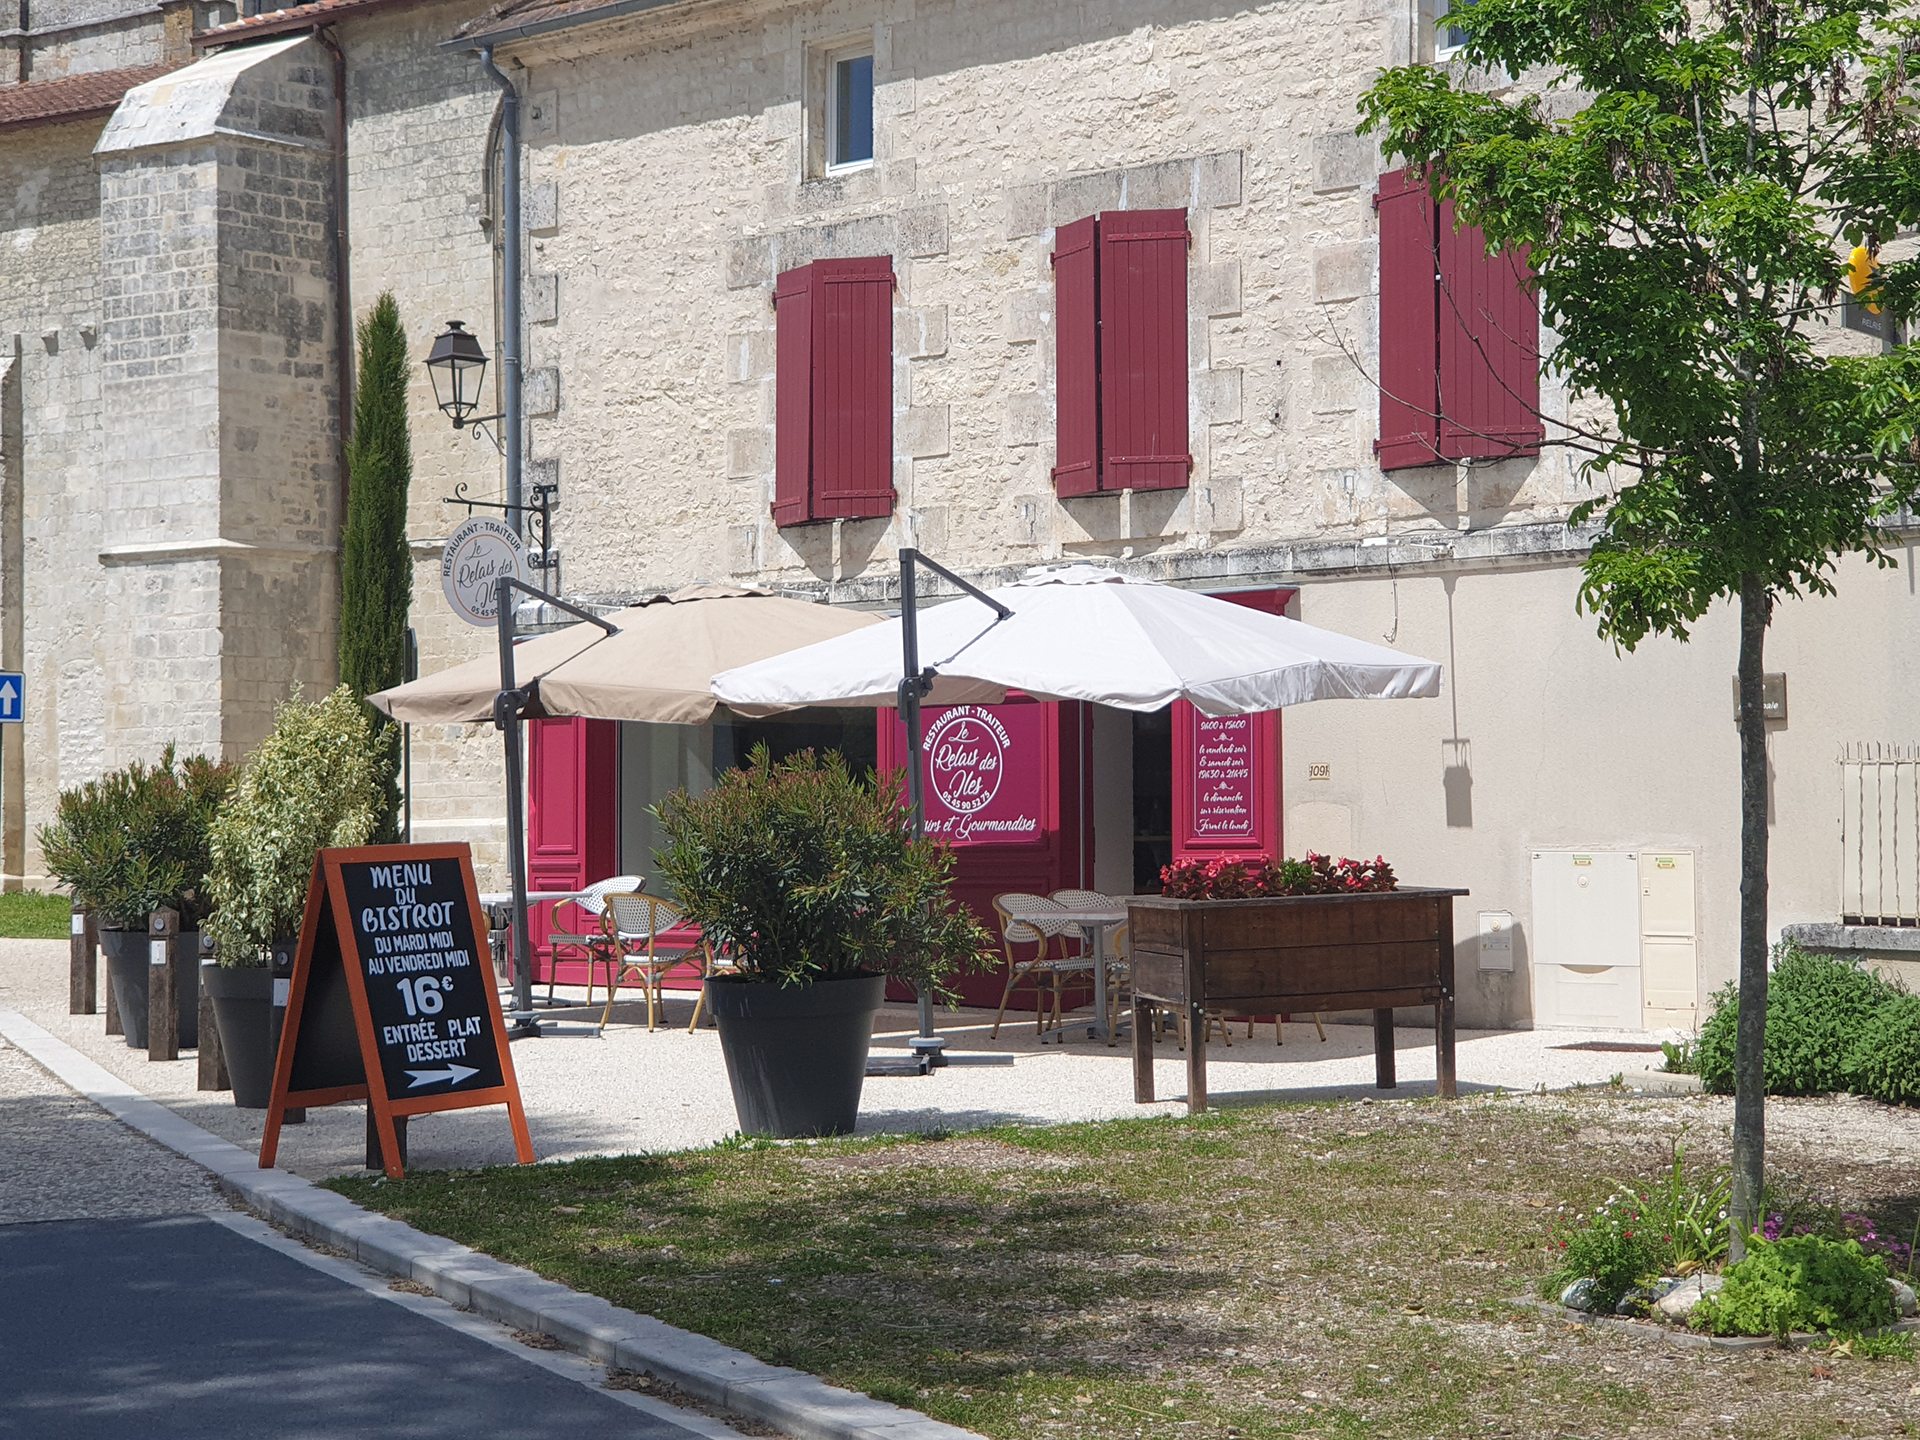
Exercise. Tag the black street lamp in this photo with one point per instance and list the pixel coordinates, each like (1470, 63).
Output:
(457, 366)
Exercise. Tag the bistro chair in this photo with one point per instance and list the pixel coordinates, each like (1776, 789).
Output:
(636, 941)
(1115, 947)
(1279, 1020)
(1028, 920)
(584, 934)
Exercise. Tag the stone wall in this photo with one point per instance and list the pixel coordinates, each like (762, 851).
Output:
(671, 182)
(423, 218)
(52, 586)
(220, 442)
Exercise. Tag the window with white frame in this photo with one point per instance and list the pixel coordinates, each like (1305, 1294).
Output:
(849, 109)
(1448, 37)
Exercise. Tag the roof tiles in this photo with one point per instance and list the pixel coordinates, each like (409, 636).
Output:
(45, 102)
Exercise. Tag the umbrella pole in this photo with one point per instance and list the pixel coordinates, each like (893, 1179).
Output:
(507, 708)
(929, 1047)
(506, 714)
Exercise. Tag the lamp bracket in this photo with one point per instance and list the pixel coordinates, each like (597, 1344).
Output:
(541, 509)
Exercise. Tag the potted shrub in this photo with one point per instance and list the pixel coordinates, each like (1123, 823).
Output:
(132, 842)
(316, 781)
(810, 877)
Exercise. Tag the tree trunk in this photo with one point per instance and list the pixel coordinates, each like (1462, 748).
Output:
(1749, 1078)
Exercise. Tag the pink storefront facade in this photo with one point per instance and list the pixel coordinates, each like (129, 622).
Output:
(1034, 796)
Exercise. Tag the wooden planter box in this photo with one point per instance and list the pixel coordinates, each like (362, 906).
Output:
(1299, 954)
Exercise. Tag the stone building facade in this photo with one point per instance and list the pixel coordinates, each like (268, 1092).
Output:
(673, 157)
(177, 270)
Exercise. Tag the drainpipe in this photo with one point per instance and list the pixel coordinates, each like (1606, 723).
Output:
(342, 282)
(511, 223)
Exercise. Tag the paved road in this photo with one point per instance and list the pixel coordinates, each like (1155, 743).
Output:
(135, 1306)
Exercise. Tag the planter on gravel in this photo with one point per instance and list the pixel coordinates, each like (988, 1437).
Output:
(243, 1007)
(796, 1055)
(127, 957)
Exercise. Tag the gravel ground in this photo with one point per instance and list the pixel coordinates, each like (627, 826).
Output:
(61, 1158)
(630, 1091)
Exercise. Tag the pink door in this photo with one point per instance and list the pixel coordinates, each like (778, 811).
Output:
(1226, 771)
(1004, 786)
(573, 824)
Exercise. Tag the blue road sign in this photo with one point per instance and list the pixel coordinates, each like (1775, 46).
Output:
(13, 697)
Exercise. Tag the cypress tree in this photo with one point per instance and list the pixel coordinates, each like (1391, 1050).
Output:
(376, 574)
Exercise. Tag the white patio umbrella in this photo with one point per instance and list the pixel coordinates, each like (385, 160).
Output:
(1077, 632)
(1081, 632)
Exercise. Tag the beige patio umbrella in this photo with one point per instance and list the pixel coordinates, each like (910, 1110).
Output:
(651, 662)
(657, 666)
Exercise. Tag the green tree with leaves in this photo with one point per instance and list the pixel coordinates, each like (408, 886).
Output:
(376, 573)
(1686, 178)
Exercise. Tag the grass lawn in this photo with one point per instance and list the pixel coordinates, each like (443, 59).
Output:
(29, 915)
(1341, 1271)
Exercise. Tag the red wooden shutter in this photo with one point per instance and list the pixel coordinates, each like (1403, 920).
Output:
(1076, 469)
(1143, 350)
(853, 388)
(573, 819)
(1489, 326)
(793, 397)
(1409, 373)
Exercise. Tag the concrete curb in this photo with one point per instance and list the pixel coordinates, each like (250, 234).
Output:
(1661, 1082)
(800, 1404)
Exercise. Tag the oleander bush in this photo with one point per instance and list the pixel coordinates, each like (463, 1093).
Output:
(137, 839)
(807, 871)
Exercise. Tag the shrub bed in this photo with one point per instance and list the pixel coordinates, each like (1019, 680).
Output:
(1832, 1025)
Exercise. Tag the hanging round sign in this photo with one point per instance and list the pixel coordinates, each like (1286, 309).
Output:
(478, 553)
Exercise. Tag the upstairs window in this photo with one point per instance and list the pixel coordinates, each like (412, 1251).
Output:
(833, 391)
(849, 109)
(1459, 337)
(1120, 331)
(1448, 37)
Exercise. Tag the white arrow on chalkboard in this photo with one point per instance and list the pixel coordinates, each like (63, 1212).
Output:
(452, 1075)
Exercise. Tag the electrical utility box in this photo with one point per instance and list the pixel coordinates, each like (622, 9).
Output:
(1614, 940)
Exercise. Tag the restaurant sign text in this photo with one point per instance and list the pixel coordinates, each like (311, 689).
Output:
(983, 769)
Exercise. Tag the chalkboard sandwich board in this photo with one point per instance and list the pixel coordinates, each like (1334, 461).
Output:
(392, 998)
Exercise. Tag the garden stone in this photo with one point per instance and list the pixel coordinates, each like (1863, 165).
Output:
(1677, 1304)
(1635, 1302)
(1904, 1299)
(1578, 1295)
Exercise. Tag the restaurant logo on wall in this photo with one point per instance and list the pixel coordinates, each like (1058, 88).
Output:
(1223, 777)
(982, 776)
(478, 553)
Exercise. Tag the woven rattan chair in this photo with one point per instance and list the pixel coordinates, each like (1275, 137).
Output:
(636, 942)
(584, 933)
(1119, 970)
(1028, 920)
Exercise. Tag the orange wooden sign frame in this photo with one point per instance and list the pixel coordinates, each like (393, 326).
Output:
(327, 900)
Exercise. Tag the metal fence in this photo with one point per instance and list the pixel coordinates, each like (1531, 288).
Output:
(1880, 834)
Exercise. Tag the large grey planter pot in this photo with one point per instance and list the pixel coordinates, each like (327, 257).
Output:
(126, 952)
(796, 1057)
(243, 1006)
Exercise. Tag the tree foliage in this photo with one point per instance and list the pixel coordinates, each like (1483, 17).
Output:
(1683, 178)
(376, 573)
